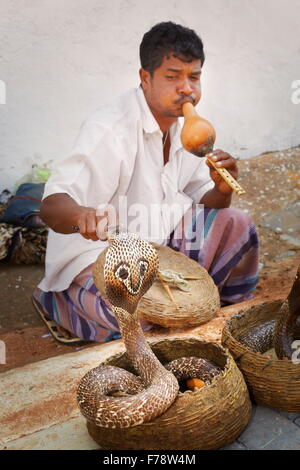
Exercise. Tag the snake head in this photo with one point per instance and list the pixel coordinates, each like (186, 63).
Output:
(130, 269)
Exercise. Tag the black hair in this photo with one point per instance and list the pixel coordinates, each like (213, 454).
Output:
(168, 38)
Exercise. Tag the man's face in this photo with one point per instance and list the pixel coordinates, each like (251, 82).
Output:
(172, 84)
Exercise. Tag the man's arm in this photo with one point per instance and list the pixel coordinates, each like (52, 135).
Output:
(215, 200)
(219, 197)
(61, 213)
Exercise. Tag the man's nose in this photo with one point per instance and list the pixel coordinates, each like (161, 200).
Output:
(185, 87)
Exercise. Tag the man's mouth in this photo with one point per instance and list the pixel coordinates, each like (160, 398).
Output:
(187, 99)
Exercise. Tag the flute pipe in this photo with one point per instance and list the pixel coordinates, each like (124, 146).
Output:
(232, 182)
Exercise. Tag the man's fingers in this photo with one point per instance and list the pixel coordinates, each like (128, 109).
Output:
(219, 155)
(209, 164)
(93, 224)
(85, 236)
(81, 224)
(87, 223)
(106, 216)
(222, 160)
(226, 163)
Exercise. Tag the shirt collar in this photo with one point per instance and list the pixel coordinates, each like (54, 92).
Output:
(175, 132)
(150, 125)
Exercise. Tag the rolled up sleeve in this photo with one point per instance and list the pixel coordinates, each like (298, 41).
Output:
(91, 172)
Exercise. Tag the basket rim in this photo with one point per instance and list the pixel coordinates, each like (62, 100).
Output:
(242, 311)
(247, 350)
(229, 360)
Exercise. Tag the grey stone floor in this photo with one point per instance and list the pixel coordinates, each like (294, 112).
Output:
(269, 429)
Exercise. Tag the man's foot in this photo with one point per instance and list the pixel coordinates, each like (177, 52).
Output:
(67, 334)
(58, 332)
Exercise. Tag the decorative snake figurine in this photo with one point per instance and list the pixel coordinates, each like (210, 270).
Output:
(130, 268)
(282, 332)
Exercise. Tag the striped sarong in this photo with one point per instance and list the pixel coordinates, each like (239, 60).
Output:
(223, 241)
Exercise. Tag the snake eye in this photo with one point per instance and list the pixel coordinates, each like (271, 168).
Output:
(143, 267)
(122, 272)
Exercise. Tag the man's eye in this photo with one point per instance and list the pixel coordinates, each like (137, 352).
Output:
(169, 77)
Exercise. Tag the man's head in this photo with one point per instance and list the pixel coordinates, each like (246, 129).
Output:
(165, 39)
(171, 59)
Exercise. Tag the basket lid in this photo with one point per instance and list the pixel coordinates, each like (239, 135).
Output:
(191, 308)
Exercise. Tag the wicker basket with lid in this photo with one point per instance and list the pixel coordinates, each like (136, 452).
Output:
(190, 308)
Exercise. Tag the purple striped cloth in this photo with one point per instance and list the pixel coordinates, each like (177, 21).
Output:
(223, 241)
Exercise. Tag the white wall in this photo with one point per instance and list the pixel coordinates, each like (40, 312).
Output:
(60, 58)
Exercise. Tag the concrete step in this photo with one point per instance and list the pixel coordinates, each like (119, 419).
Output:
(41, 395)
(70, 435)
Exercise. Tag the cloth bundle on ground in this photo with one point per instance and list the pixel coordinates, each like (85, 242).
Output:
(23, 235)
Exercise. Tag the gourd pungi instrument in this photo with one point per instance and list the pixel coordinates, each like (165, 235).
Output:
(198, 137)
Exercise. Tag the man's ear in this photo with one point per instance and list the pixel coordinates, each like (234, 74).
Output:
(145, 78)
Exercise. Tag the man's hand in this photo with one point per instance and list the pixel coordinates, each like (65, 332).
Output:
(61, 213)
(222, 160)
(91, 225)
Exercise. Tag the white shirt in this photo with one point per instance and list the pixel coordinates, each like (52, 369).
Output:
(118, 154)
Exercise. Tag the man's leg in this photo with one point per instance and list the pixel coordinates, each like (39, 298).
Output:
(82, 310)
(225, 243)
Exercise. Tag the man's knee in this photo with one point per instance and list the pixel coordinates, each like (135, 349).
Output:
(237, 216)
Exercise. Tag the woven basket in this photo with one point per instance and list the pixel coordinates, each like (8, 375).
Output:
(209, 418)
(192, 308)
(272, 382)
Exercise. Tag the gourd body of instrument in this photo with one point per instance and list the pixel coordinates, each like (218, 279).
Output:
(198, 137)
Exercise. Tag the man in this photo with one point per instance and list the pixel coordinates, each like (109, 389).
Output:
(132, 149)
